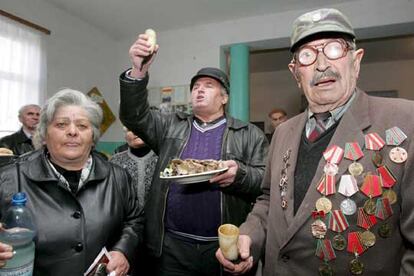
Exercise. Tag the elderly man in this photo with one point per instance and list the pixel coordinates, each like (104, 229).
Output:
(21, 141)
(182, 220)
(337, 191)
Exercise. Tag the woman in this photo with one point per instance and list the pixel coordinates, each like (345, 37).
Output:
(81, 203)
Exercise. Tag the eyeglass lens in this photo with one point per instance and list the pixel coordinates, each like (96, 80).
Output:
(332, 50)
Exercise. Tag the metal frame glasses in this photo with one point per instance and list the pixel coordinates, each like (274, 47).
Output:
(333, 50)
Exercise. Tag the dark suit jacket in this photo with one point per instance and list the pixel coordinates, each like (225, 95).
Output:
(287, 241)
(17, 142)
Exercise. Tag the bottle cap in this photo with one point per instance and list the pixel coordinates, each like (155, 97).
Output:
(19, 199)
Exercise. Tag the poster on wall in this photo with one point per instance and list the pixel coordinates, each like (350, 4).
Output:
(108, 115)
(170, 98)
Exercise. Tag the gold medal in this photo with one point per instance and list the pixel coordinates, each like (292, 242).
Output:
(368, 238)
(323, 204)
(318, 229)
(370, 206)
(356, 267)
(391, 195)
(339, 242)
(326, 270)
(398, 155)
(384, 230)
(355, 169)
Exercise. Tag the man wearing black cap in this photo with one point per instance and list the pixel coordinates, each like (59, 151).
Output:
(337, 192)
(182, 220)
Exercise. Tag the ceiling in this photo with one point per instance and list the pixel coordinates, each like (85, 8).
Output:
(125, 18)
(122, 19)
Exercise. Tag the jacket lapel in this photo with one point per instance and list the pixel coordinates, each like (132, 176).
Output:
(350, 129)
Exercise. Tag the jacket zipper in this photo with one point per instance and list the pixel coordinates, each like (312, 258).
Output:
(166, 195)
(223, 154)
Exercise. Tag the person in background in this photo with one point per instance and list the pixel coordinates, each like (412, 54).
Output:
(276, 116)
(337, 192)
(21, 141)
(139, 160)
(80, 202)
(182, 220)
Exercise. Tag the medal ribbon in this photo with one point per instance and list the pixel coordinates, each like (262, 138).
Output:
(395, 136)
(353, 151)
(384, 209)
(348, 185)
(316, 214)
(373, 141)
(387, 178)
(355, 244)
(371, 186)
(337, 221)
(333, 154)
(324, 250)
(364, 220)
(326, 185)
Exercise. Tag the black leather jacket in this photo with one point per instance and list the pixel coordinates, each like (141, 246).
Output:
(17, 142)
(167, 135)
(72, 229)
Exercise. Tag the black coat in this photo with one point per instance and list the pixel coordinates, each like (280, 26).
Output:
(17, 142)
(167, 134)
(72, 229)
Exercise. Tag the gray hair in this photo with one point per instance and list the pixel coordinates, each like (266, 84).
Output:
(67, 97)
(23, 108)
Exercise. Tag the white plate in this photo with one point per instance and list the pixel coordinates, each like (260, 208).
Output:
(194, 178)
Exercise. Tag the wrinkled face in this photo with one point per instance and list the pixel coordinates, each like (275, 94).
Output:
(69, 137)
(133, 140)
(277, 118)
(30, 117)
(207, 98)
(327, 84)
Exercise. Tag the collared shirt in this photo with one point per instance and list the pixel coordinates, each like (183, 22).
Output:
(336, 115)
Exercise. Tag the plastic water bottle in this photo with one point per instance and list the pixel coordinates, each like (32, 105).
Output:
(19, 231)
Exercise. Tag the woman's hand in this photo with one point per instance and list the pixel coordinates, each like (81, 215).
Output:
(6, 251)
(118, 263)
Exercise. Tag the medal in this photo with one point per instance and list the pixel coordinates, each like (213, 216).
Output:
(324, 250)
(326, 270)
(383, 210)
(394, 137)
(373, 141)
(355, 169)
(371, 186)
(323, 204)
(377, 159)
(326, 185)
(348, 207)
(384, 230)
(398, 155)
(387, 178)
(391, 195)
(368, 238)
(337, 221)
(370, 206)
(347, 185)
(339, 242)
(333, 154)
(365, 220)
(356, 267)
(284, 180)
(330, 169)
(318, 229)
(355, 245)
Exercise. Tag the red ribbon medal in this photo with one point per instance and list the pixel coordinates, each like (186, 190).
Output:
(387, 178)
(371, 186)
(353, 151)
(324, 250)
(337, 221)
(364, 220)
(326, 185)
(333, 154)
(354, 244)
(373, 141)
(383, 210)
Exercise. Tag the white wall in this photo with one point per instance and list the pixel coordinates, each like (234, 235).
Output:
(79, 56)
(278, 89)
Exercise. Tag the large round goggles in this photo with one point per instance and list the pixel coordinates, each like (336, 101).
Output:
(333, 49)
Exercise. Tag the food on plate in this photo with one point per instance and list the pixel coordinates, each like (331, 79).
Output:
(191, 166)
(5, 151)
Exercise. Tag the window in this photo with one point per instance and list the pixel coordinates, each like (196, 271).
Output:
(22, 71)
